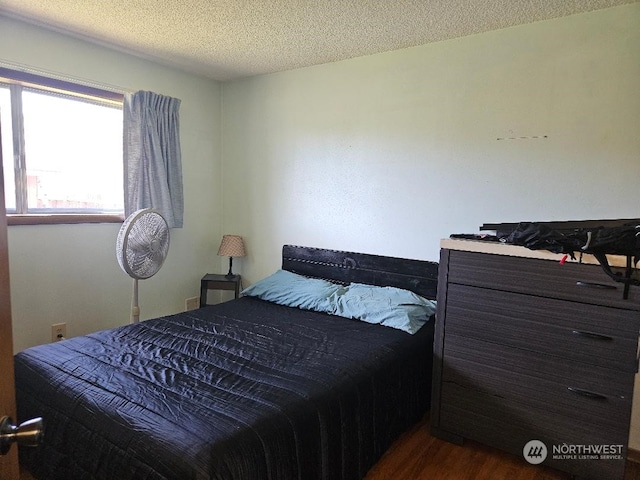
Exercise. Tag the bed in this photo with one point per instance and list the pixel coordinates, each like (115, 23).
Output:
(248, 389)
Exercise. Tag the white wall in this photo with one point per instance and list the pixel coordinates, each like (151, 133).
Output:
(389, 153)
(69, 273)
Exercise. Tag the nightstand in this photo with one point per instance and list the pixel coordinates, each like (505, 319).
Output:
(214, 281)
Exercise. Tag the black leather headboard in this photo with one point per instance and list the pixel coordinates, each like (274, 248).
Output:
(419, 276)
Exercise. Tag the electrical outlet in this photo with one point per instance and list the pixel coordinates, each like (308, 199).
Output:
(191, 303)
(58, 332)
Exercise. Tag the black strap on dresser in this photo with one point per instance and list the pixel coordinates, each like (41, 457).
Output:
(572, 237)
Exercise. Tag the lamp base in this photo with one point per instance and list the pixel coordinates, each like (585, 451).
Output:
(230, 274)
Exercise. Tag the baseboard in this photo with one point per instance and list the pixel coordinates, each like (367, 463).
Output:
(633, 455)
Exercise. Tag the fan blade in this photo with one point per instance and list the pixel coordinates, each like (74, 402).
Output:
(145, 244)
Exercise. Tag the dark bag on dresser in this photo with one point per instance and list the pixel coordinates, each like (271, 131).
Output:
(621, 240)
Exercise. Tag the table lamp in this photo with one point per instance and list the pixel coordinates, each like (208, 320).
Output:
(231, 246)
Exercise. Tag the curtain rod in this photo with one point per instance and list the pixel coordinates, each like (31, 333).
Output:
(64, 78)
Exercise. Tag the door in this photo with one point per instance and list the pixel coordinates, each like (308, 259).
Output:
(9, 462)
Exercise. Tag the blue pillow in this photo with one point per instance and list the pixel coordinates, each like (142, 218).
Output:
(293, 290)
(388, 306)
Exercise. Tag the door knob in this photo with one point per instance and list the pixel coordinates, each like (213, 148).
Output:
(28, 434)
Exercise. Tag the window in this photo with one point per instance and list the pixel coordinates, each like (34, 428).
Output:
(61, 150)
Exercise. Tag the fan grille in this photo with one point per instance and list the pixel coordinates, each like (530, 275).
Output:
(143, 243)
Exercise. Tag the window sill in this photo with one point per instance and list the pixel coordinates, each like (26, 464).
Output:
(55, 219)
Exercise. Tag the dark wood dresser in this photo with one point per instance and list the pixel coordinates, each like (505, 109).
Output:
(532, 349)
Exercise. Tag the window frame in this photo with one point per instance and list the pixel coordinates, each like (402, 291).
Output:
(32, 81)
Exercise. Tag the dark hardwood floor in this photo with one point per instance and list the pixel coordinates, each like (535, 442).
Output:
(417, 455)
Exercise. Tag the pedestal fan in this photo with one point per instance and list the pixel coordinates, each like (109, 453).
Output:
(141, 247)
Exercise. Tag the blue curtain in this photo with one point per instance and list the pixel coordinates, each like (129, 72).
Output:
(152, 156)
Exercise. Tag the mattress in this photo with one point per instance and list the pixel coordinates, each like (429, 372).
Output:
(243, 390)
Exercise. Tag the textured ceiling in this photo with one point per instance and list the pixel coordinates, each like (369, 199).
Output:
(227, 39)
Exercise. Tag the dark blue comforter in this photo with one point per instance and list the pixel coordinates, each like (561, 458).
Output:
(244, 390)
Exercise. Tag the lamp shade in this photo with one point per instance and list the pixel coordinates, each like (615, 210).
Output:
(232, 246)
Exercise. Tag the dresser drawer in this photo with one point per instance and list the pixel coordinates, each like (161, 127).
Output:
(570, 281)
(596, 396)
(509, 426)
(547, 422)
(589, 334)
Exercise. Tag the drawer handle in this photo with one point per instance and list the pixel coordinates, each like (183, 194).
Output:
(595, 336)
(587, 393)
(601, 286)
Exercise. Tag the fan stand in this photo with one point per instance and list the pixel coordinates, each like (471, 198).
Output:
(135, 309)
